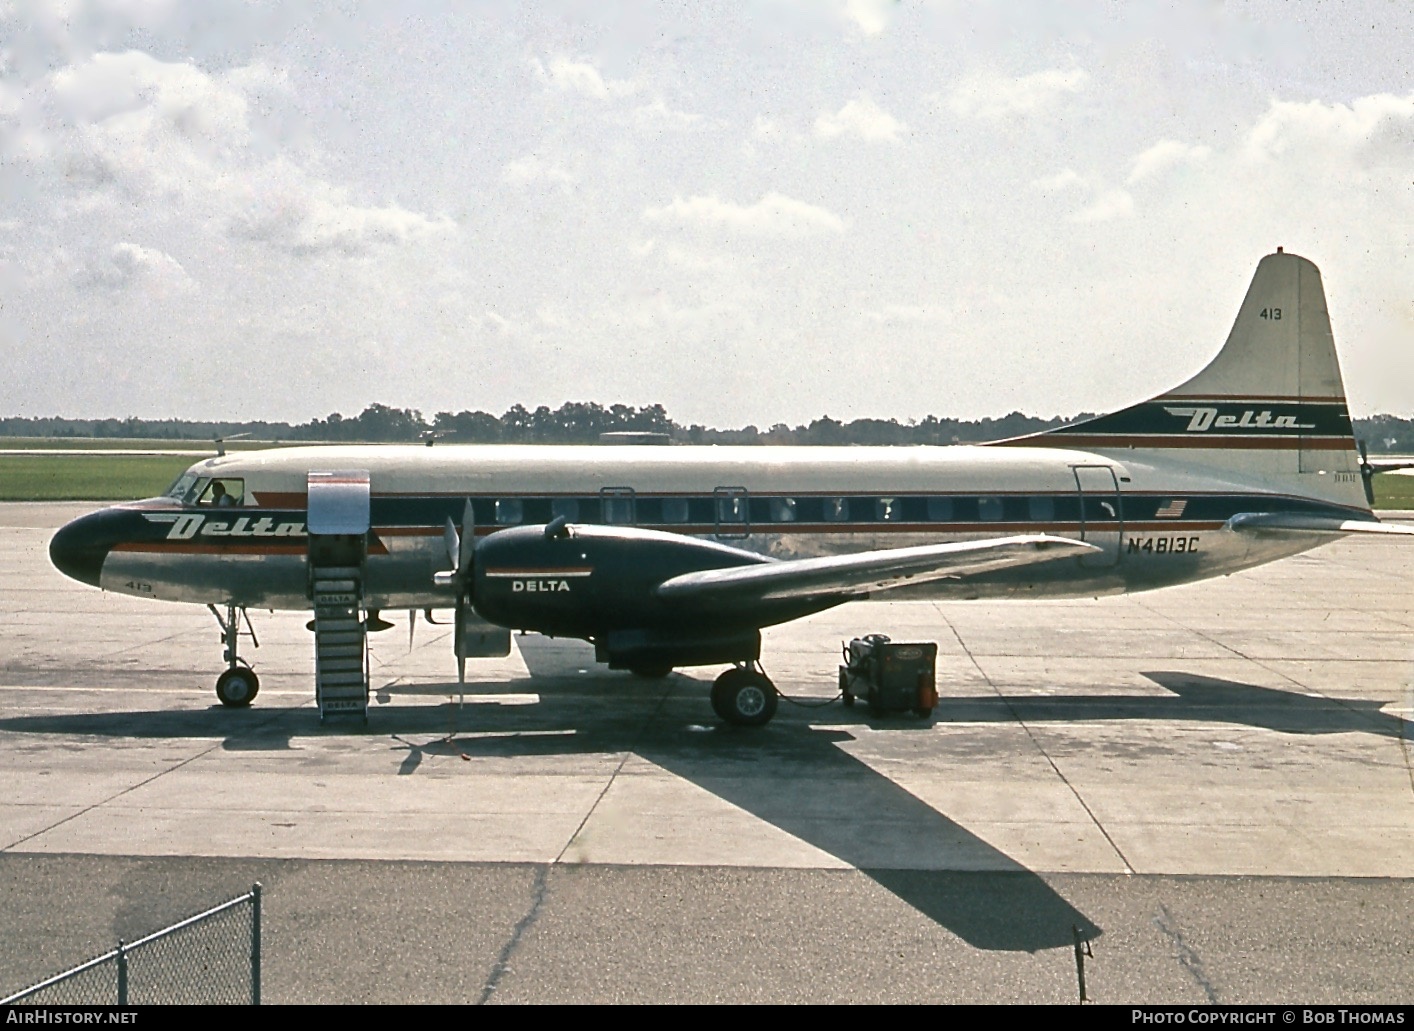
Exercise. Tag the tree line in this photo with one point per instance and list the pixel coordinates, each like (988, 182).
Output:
(580, 422)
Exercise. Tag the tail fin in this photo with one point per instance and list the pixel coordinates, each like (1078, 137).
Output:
(1271, 405)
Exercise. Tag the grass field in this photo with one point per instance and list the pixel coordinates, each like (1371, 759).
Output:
(126, 443)
(61, 477)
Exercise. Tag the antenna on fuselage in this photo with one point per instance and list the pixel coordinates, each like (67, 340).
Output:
(220, 442)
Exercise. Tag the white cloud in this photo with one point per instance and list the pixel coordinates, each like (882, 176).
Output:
(171, 135)
(1100, 204)
(581, 77)
(494, 322)
(659, 115)
(1165, 155)
(766, 128)
(774, 215)
(863, 118)
(1065, 179)
(991, 96)
(871, 17)
(129, 265)
(290, 211)
(533, 169)
(1109, 205)
(907, 314)
(134, 93)
(1368, 123)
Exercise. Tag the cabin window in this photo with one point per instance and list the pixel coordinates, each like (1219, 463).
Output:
(733, 510)
(1042, 510)
(783, 510)
(616, 505)
(886, 510)
(567, 507)
(836, 510)
(940, 510)
(224, 492)
(989, 510)
(675, 510)
(509, 511)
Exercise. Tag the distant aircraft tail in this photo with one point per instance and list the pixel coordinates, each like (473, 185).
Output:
(1270, 407)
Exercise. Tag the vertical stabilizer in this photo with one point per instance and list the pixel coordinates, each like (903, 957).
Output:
(1271, 405)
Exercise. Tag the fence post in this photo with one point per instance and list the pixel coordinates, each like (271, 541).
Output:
(122, 974)
(255, 945)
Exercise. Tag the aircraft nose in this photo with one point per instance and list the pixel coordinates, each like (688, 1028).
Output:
(80, 546)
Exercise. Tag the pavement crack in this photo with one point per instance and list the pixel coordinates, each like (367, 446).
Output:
(623, 761)
(111, 798)
(1187, 956)
(1036, 743)
(503, 961)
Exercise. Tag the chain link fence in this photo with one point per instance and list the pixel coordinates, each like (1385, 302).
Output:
(211, 959)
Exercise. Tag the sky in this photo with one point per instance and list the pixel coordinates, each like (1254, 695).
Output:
(748, 212)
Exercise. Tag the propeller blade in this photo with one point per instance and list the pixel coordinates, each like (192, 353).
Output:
(453, 542)
(460, 637)
(1367, 473)
(467, 545)
(412, 627)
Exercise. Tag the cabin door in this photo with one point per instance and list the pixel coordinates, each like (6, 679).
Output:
(338, 518)
(1101, 514)
(733, 511)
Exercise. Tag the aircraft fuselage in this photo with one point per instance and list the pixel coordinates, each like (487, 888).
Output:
(1155, 522)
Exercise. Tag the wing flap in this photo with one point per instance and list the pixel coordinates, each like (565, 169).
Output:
(1289, 522)
(869, 571)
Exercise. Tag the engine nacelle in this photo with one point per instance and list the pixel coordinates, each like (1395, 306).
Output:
(589, 581)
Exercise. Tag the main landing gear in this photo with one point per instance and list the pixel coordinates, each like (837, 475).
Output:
(744, 696)
(238, 686)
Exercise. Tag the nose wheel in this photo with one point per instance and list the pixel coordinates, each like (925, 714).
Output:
(744, 697)
(238, 686)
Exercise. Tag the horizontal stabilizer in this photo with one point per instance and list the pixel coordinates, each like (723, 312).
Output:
(869, 571)
(1290, 522)
(1388, 465)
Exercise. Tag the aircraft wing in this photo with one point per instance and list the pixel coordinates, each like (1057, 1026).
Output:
(1288, 522)
(868, 571)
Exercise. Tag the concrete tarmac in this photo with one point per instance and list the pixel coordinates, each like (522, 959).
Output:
(1212, 784)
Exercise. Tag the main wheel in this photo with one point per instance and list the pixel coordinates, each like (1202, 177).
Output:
(237, 687)
(744, 697)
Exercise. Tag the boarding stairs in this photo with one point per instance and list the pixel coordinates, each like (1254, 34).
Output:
(340, 641)
(338, 530)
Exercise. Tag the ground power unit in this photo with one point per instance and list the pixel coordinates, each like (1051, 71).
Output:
(890, 676)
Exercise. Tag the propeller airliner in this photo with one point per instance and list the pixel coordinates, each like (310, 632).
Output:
(667, 557)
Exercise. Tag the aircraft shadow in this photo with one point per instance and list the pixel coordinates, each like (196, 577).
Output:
(792, 774)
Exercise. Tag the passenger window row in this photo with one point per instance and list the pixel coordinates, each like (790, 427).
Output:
(624, 508)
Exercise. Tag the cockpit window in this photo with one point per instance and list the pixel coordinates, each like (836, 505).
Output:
(223, 492)
(182, 487)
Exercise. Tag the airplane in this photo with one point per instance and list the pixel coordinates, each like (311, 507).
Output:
(667, 557)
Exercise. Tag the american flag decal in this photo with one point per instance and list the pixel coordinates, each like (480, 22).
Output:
(1172, 509)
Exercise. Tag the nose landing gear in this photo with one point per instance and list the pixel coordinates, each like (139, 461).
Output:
(238, 685)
